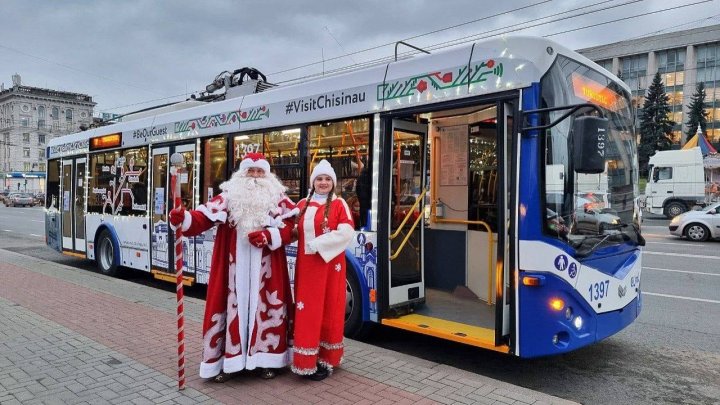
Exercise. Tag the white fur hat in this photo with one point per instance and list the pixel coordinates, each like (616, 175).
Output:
(325, 168)
(254, 160)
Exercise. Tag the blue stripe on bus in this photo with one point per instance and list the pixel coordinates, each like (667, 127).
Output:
(540, 323)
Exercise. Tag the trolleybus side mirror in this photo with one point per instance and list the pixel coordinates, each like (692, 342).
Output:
(589, 141)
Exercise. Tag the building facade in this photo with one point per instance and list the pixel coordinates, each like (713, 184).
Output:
(683, 59)
(29, 118)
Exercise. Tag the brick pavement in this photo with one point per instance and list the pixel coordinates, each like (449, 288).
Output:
(72, 336)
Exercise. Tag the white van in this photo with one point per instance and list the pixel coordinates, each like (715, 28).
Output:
(676, 182)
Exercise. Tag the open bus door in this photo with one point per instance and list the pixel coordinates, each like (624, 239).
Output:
(407, 206)
(162, 241)
(72, 206)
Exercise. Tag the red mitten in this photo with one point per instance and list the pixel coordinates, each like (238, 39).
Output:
(259, 238)
(176, 216)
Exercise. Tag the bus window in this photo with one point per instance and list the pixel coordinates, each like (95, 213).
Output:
(53, 184)
(345, 145)
(243, 144)
(118, 182)
(101, 177)
(281, 150)
(214, 167)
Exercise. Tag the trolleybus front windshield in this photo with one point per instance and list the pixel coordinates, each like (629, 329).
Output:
(589, 210)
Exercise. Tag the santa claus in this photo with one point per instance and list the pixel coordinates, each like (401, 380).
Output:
(248, 296)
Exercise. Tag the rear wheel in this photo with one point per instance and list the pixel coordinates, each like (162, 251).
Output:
(697, 232)
(674, 209)
(354, 326)
(105, 254)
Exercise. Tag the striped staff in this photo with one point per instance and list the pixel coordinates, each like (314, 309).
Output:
(176, 165)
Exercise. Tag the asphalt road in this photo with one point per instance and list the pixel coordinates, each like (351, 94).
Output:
(671, 354)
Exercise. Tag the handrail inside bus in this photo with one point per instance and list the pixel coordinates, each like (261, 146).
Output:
(407, 216)
(402, 244)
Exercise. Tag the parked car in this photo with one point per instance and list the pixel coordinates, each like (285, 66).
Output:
(20, 199)
(698, 226)
(3, 195)
(39, 198)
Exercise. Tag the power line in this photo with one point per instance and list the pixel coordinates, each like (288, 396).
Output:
(75, 69)
(413, 37)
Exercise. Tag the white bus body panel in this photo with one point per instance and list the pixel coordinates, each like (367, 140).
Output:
(134, 250)
(541, 257)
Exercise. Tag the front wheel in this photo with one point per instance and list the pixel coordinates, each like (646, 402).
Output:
(674, 209)
(697, 232)
(105, 254)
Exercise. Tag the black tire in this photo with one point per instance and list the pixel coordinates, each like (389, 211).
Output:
(674, 209)
(355, 328)
(105, 254)
(697, 232)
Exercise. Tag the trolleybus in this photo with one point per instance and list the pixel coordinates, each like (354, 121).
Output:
(461, 168)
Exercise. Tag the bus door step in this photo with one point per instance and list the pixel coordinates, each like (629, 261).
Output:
(448, 330)
(165, 276)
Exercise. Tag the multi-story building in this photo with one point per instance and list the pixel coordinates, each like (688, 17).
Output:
(29, 118)
(683, 59)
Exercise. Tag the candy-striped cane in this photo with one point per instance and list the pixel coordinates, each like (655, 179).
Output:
(176, 161)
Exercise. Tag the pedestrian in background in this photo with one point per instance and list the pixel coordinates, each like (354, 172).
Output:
(248, 296)
(325, 228)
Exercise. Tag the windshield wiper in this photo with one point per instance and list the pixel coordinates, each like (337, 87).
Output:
(603, 238)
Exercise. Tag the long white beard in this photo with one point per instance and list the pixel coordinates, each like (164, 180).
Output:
(250, 200)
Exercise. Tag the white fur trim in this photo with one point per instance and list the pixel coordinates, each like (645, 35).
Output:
(247, 163)
(234, 364)
(323, 167)
(275, 239)
(220, 216)
(332, 244)
(309, 229)
(210, 370)
(268, 360)
(289, 214)
(303, 371)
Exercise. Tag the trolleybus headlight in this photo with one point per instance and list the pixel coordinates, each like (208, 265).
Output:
(578, 322)
(557, 304)
(568, 313)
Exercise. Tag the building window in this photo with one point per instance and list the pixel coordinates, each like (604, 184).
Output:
(633, 71)
(41, 154)
(41, 138)
(27, 166)
(26, 152)
(607, 65)
(55, 114)
(24, 122)
(68, 114)
(26, 137)
(42, 166)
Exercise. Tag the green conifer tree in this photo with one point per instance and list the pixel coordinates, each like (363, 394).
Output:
(696, 114)
(655, 123)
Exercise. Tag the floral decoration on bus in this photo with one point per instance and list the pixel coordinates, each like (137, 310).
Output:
(478, 73)
(222, 119)
(120, 188)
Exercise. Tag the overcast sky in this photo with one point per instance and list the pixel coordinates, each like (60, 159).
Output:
(133, 54)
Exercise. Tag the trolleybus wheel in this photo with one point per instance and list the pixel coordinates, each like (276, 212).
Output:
(354, 325)
(105, 254)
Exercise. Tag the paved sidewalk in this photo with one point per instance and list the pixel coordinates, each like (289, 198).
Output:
(72, 336)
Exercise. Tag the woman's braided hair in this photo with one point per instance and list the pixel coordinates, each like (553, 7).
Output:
(327, 205)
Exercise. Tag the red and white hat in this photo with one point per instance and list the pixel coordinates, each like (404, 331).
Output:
(256, 160)
(325, 168)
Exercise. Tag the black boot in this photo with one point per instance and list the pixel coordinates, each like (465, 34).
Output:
(320, 374)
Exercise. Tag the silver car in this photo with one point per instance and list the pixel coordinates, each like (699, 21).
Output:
(20, 199)
(699, 225)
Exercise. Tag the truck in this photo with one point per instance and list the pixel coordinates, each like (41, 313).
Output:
(676, 182)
